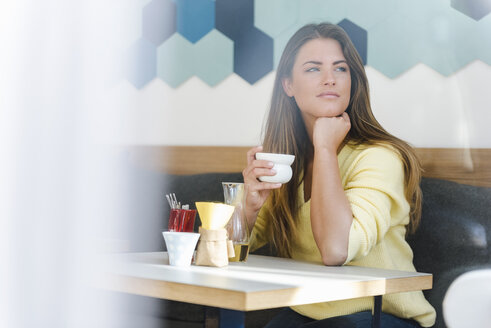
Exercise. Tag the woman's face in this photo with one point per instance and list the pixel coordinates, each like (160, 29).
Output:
(320, 80)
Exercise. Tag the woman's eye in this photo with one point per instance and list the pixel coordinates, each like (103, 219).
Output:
(341, 69)
(312, 69)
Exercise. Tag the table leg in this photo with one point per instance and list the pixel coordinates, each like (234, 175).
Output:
(212, 317)
(232, 319)
(377, 310)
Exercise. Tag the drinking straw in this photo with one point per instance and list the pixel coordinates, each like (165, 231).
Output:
(169, 201)
(173, 196)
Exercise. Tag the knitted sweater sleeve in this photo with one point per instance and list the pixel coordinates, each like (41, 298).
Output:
(374, 186)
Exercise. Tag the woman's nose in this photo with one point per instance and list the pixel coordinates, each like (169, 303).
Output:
(329, 79)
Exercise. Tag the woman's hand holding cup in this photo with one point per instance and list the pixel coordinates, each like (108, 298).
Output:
(256, 192)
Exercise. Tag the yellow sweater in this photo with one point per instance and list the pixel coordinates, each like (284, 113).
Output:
(373, 180)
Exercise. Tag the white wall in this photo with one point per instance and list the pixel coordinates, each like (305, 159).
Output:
(420, 106)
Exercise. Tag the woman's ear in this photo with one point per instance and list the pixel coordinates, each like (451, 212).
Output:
(287, 87)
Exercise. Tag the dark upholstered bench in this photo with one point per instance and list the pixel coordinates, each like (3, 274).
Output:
(454, 237)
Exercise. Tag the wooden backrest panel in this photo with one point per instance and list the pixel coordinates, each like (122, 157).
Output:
(469, 166)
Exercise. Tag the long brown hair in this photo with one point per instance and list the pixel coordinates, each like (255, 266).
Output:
(285, 132)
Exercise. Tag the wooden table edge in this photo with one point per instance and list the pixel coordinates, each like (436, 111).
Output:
(252, 301)
(209, 296)
(266, 300)
(409, 284)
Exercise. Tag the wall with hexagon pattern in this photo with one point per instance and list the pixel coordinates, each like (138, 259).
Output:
(426, 61)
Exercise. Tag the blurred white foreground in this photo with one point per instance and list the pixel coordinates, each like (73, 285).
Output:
(468, 300)
(61, 191)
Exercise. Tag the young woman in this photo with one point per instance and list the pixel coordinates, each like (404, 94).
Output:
(355, 188)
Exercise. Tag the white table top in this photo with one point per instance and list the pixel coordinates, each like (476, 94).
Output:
(261, 282)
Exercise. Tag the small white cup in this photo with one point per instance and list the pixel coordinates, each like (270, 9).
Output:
(282, 167)
(180, 247)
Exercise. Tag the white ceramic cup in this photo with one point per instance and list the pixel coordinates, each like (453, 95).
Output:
(180, 247)
(282, 167)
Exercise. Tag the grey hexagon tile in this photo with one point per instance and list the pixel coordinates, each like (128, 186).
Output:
(368, 13)
(472, 8)
(131, 10)
(214, 58)
(141, 63)
(394, 45)
(253, 55)
(159, 21)
(175, 62)
(274, 16)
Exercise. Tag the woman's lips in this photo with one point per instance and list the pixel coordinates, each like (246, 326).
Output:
(328, 94)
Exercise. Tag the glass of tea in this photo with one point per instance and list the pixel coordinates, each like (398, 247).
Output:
(237, 226)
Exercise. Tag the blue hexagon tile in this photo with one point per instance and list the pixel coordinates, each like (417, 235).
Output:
(214, 58)
(275, 16)
(248, 36)
(195, 18)
(476, 9)
(359, 37)
(159, 21)
(175, 60)
(141, 63)
(234, 18)
(253, 55)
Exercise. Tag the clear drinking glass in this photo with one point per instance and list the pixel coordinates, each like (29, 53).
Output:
(237, 229)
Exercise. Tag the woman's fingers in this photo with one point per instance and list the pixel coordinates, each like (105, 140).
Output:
(270, 185)
(251, 177)
(258, 186)
(255, 169)
(256, 190)
(346, 119)
(251, 154)
(262, 163)
(261, 171)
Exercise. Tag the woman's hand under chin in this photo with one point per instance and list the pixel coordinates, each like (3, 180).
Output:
(329, 132)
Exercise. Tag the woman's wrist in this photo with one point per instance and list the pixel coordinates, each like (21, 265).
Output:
(251, 219)
(325, 151)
